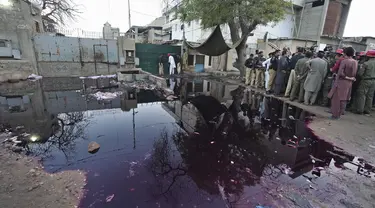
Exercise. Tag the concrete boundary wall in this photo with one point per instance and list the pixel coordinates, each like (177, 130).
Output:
(60, 56)
(73, 69)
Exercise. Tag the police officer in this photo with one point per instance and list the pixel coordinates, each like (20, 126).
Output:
(366, 88)
(249, 68)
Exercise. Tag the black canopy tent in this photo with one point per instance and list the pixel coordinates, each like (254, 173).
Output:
(215, 45)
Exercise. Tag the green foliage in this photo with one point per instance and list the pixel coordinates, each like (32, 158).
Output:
(216, 12)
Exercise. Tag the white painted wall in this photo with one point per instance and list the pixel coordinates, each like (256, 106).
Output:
(194, 33)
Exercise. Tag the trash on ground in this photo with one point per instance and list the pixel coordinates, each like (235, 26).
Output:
(106, 95)
(101, 76)
(34, 77)
(171, 97)
(109, 198)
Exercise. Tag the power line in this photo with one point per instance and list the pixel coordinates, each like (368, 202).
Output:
(144, 14)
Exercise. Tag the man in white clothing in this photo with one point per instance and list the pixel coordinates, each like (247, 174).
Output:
(266, 64)
(172, 64)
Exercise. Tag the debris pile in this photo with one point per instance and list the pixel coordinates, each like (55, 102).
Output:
(15, 140)
(106, 95)
(140, 84)
(100, 77)
(34, 77)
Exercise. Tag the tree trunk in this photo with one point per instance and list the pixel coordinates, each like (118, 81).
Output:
(241, 58)
(241, 48)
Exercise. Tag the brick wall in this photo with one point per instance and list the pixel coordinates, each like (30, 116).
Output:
(332, 22)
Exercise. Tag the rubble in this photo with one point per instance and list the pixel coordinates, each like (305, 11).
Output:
(100, 77)
(34, 77)
(106, 95)
(140, 84)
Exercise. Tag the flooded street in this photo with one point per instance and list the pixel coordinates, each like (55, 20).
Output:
(233, 148)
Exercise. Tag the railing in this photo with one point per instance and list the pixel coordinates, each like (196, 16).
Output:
(77, 32)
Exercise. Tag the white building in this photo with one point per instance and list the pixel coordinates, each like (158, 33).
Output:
(306, 19)
(110, 32)
(195, 33)
(316, 21)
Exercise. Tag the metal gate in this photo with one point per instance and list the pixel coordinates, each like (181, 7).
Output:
(149, 55)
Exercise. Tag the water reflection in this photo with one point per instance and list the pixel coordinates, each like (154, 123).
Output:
(69, 128)
(218, 145)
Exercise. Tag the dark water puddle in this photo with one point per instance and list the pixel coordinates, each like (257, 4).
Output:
(192, 152)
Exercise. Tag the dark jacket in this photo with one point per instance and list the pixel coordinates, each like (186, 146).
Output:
(294, 59)
(274, 63)
(258, 62)
(249, 62)
(283, 64)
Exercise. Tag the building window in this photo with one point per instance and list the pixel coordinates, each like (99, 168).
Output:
(37, 27)
(190, 60)
(210, 61)
(199, 59)
(318, 3)
(208, 86)
(189, 23)
(3, 43)
(198, 86)
(129, 56)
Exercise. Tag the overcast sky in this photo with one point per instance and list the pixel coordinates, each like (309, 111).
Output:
(97, 12)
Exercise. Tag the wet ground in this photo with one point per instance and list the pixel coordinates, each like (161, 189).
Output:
(190, 152)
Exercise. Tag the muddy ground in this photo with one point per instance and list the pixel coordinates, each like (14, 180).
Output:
(24, 183)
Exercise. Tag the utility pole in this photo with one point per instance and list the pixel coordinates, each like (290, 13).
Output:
(182, 49)
(130, 22)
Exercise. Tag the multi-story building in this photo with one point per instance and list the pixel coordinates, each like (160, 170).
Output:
(18, 22)
(110, 32)
(316, 20)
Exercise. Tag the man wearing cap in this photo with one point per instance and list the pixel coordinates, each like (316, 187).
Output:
(249, 69)
(329, 79)
(259, 70)
(366, 88)
(339, 57)
(274, 62)
(281, 73)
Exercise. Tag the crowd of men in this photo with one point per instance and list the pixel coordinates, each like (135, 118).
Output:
(343, 80)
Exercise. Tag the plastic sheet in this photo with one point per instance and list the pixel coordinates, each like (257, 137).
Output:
(215, 45)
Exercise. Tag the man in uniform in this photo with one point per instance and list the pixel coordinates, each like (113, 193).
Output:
(282, 73)
(259, 70)
(366, 88)
(274, 62)
(249, 68)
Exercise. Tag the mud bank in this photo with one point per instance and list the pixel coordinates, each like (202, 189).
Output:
(24, 183)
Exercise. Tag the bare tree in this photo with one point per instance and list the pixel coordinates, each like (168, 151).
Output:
(57, 12)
